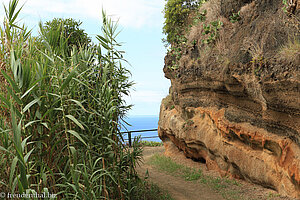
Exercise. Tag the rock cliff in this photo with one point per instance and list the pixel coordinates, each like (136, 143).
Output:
(234, 103)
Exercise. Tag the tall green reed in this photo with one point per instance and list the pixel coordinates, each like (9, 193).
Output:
(61, 114)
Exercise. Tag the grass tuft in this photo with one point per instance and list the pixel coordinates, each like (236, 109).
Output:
(150, 191)
(291, 51)
(165, 164)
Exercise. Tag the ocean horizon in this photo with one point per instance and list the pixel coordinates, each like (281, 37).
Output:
(142, 122)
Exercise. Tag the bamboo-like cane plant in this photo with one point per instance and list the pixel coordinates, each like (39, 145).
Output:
(60, 115)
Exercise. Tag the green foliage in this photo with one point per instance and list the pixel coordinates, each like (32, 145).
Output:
(176, 51)
(178, 29)
(69, 29)
(235, 17)
(146, 143)
(200, 17)
(212, 31)
(60, 115)
(176, 13)
(285, 3)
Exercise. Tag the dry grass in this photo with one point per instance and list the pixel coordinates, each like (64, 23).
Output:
(213, 9)
(221, 44)
(291, 51)
(256, 49)
(247, 8)
(206, 52)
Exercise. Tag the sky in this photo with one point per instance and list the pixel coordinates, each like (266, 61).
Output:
(140, 23)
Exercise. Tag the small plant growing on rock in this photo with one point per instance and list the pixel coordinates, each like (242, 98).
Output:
(168, 102)
(212, 31)
(194, 43)
(289, 6)
(174, 65)
(256, 50)
(285, 3)
(235, 17)
(176, 51)
(200, 17)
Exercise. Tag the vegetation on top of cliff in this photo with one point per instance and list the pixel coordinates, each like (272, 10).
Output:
(180, 17)
(223, 32)
(176, 15)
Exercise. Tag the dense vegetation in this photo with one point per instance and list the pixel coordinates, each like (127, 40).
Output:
(179, 16)
(70, 30)
(176, 13)
(60, 113)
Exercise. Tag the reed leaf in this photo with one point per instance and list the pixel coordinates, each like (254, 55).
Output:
(74, 133)
(12, 83)
(71, 117)
(30, 104)
(67, 80)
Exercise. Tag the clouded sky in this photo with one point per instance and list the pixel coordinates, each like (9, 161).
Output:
(141, 23)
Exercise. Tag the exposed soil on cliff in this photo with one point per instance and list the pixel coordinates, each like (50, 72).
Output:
(181, 189)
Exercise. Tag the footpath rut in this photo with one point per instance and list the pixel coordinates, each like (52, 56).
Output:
(177, 187)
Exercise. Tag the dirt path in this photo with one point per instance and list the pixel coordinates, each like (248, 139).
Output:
(181, 189)
(177, 187)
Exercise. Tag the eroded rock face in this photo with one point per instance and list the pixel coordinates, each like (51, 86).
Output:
(239, 121)
(253, 137)
(240, 150)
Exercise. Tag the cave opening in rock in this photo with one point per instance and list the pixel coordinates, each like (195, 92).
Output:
(200, 160)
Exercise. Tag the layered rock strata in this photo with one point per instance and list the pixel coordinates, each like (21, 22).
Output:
(220, 123)
(239, 118)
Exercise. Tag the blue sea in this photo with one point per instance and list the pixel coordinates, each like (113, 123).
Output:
(142, 123)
